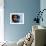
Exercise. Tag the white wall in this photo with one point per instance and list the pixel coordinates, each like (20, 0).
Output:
(1, 20)
(43, 6)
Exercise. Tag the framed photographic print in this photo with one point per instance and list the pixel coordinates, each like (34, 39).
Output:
(16, 18)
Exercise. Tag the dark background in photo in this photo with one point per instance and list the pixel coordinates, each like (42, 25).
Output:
(15, 18)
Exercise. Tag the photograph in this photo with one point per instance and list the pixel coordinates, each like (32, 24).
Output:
(16, 18)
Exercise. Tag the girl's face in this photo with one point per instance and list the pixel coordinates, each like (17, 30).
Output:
(14, 18)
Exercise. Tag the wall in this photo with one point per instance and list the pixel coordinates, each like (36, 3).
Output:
(1, 21)
(43, 6)
(28, 7)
